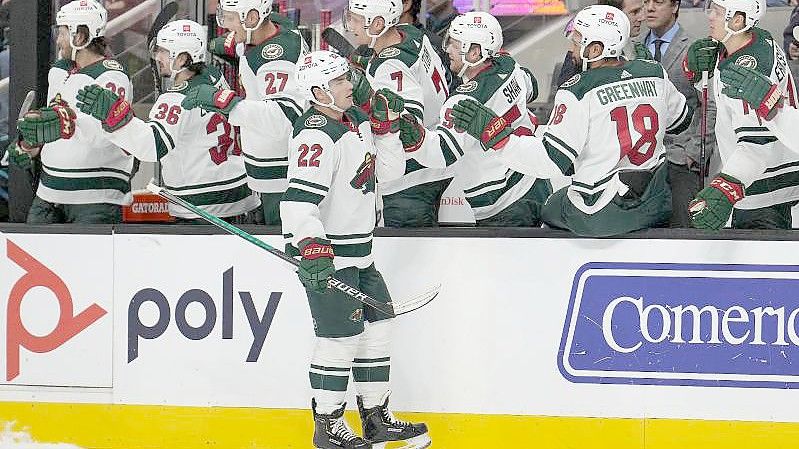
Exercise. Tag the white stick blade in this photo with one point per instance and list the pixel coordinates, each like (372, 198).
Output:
(417, 302)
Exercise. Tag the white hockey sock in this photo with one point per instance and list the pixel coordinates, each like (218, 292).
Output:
(330, 371)
(372, 364)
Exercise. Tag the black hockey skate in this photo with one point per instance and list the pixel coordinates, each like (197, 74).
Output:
(380, 427)
(332, 431)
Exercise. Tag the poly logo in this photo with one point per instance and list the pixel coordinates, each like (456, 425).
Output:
(68, 326)
(682, 324)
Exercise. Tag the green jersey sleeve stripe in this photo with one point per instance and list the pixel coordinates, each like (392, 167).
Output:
(569, 151)
(289, 100)
(418, 113)
(563, 162)
(165, 133)
(760, 140)
(751, 129)
(87, 170)
(210, 184)
(308, 184)
(484, 185)
(73, 184)
(227, 196)
(267, 159)
(302, 196)
(683, 122)
(348, 236)
(452, 140)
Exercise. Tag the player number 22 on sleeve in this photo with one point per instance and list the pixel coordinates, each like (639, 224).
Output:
(314, 150)
(645, 122)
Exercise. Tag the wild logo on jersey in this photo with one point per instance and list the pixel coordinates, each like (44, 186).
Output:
(364, 179)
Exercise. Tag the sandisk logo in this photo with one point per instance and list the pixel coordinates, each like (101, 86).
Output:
(68, 326)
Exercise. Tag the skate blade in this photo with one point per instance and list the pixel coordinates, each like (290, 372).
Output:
(418, 442)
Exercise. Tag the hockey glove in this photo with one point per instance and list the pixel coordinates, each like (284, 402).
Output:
(224, 47)
(752, 87)
(361, 90)
(316, 265)
(47, 125)
(713, 205)
(19, 157)
(641, 52)
(112, 110)
(386, 109)
(411, 133)
(701, 57)
(481, 123)
(211, 99)
(361, 56)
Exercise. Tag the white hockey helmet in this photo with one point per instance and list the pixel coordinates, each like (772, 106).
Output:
(317, 69)
(480, 28)
(88, 13)
(604, 24)
(181, 36)
(389, 10)
(242, 8)
(753, 11)
(796, 33)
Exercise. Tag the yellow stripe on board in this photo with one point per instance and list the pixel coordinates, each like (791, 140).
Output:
(97, 426)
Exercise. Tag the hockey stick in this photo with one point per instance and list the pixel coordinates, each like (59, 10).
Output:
(35, 168)
(703, 132)
(337, 41)
(163, 17)
(391, 308)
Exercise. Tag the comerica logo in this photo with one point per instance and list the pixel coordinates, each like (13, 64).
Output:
(682, 324)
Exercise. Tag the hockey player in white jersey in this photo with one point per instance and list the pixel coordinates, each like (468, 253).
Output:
(328, 217)
(405, 62)
(198, 151)
(268, 53)
(778, 111)
(606, 132)
(759, 180)
(497, 195)
(85, 178)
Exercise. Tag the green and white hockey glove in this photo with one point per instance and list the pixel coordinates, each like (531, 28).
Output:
(316, 265)
(361, 56)
(46, 125)
(224, 47)
(713, 205)
(387, 106)
(752, 87)
(701, 57)
(112, 110)
(641, 52)
(211, 99)
(481, 123)
(361, 90)
(18, 157)
(411, 133)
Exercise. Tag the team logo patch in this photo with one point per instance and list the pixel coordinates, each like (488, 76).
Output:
(316, 121)
(357, 315)
(465, 88)
(272, 51)
(364, 179)
(571, 81)
(747, 61)
(111, 64)
(389, 52)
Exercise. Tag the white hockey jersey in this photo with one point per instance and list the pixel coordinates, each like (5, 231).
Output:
(331, 192)
(268, 72)
(414, 70)
(605, 121)
(750, 151)
(198, 152)
(488, 183)
(86, 168)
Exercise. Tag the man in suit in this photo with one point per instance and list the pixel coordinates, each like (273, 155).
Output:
(668, 43)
